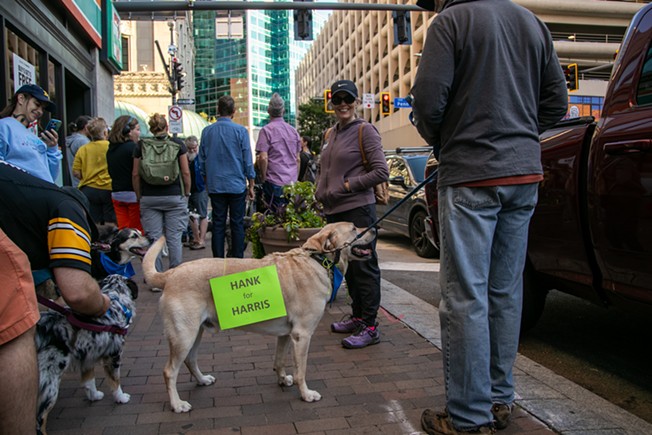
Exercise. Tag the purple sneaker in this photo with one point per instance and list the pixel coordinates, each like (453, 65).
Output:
(363, 338)
(347, 325)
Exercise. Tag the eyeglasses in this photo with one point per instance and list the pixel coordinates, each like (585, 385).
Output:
(347, 98)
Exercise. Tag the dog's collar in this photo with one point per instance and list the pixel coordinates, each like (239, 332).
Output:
(111, 267)
(81, 322)
(334, 273)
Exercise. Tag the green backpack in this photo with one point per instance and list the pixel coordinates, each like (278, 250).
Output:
(159, 163)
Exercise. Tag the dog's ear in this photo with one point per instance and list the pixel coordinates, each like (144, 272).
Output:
(319, 241)
(106, 233)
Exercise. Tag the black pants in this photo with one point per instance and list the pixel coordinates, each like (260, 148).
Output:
(362, 277)
(101, 204)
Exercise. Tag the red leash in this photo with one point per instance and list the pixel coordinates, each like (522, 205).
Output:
(76, 320)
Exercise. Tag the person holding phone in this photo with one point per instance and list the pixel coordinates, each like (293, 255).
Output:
(38, 155)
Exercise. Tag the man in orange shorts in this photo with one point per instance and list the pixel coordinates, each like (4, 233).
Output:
(18, 315)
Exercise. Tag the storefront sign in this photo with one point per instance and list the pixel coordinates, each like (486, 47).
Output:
(24, 72)
(111, 54)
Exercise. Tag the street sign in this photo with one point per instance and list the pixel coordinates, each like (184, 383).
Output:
(185, 101)
(368, 101)
(175, 115)
(401, 103)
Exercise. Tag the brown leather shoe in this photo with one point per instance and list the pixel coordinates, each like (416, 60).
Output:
(439, 423)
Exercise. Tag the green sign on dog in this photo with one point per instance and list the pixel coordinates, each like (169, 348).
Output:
(248, 297)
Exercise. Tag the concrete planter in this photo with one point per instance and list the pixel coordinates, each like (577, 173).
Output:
(276, 239)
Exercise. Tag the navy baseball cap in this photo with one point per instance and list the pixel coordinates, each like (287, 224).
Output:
(344, 86)
(38, 93)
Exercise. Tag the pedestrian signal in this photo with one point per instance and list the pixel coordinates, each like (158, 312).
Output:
(385, 104)
(328, 107)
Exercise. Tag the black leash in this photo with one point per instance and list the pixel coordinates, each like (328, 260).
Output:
(395, 206)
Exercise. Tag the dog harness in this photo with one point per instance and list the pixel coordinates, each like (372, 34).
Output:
(81, 322)
(334, 273)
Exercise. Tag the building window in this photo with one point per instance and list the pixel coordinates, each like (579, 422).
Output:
(125, 53)
(19, 47)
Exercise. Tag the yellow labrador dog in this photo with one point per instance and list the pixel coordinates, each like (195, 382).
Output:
(187, 304)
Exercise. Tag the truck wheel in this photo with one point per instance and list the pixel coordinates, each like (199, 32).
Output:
(418, 237)
(534, 299)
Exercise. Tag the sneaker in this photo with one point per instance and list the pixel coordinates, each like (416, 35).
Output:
(197, 246)
(363, 338)
(156, 290)
(347, 325)
(502, 414)
(438, 423)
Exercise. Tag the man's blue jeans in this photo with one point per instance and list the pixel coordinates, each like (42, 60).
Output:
(484, 241)
(233, 206)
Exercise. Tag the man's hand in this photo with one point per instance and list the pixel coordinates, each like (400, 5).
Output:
(250, 192)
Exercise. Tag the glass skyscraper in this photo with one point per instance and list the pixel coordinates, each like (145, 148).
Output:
(249, 55)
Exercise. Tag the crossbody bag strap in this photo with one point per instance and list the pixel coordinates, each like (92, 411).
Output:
(365, 162)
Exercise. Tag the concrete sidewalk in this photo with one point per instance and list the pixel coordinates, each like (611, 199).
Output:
(380, 389)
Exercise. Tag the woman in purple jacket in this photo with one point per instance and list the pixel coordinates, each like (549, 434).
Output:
(345, 188)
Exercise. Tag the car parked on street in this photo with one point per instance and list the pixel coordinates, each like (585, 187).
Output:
(406, 170)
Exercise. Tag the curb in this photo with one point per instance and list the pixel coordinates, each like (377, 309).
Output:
(560, 404)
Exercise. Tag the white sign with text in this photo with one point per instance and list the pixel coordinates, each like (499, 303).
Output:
(24, 72)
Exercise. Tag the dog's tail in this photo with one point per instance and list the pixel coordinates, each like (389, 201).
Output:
(153, 277)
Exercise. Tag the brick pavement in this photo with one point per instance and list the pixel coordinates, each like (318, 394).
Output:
(380, 389)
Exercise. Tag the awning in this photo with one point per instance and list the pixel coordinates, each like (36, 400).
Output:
(193, 124)
(122, 108)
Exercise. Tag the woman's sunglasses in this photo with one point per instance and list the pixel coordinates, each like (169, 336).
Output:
(347, 98)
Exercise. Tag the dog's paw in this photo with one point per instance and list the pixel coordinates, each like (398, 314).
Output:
(120, 397)
(286, 381)
(181, 406)
(206, 380)
(94, 396)
(311, 396)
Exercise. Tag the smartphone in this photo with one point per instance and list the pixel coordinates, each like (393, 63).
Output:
(54, 124)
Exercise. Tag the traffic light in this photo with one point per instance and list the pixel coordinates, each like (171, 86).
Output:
(571, 75)
(328, 108)
(302, 24)
(385, 105)
(402, 28)
(181, 76)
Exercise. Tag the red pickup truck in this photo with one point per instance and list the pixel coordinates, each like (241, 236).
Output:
(591, 233)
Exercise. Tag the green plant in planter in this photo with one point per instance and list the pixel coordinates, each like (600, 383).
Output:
(301, 211)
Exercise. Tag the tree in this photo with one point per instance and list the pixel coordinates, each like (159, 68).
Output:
(313, 121)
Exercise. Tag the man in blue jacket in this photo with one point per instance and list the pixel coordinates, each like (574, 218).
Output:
(226, 162)
(489, 82)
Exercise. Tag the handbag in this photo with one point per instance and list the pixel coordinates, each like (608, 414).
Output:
(381, 190)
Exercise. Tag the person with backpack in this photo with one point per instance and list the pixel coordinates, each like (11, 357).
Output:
(161, 180)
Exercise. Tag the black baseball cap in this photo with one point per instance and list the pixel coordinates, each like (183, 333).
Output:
(37, 92)
(344, 86)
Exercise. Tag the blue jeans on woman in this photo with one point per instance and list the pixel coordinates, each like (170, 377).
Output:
(232, 205)
(484, 242)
